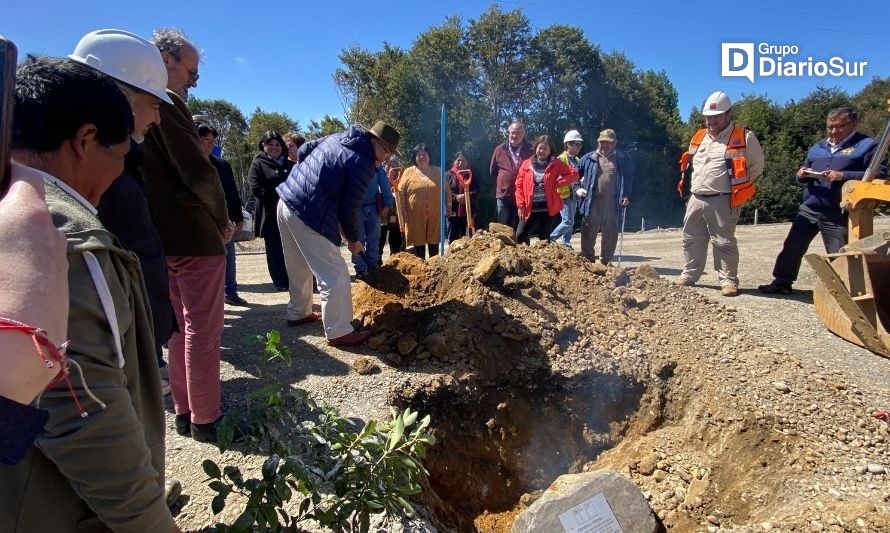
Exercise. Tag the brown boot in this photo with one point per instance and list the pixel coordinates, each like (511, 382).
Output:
(730, 290)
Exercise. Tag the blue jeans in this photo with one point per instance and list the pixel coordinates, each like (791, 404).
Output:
(564, 229)
(507, 213)
(369, 219)
(231, 284)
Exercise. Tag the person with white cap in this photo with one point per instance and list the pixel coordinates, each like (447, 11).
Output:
(99, 463)
(720, 167)
(136, 66)
(606, 185)
(571, 144)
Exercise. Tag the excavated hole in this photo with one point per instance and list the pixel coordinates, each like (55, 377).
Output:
(498, 442)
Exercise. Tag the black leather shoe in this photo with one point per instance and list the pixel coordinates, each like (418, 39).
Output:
(182, 423)
(775, 288)
(236, 301)
(208, 432)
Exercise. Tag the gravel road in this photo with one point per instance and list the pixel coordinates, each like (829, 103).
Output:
(785, 323)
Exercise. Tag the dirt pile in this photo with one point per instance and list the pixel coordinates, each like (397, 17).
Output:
(534, 362)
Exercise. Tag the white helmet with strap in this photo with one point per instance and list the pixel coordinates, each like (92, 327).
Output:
(572, 135)
(125, 57)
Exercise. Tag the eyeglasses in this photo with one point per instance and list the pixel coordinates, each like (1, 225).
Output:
(193, 74)
(832, 127)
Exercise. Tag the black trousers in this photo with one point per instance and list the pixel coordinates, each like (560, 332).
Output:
(391, 234)
(807, 223)
(541, 221)
(457, 228)
(275, 254)
(420, 251)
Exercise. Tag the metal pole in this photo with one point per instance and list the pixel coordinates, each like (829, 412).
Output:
(872, 169)
(621, 235)
(756, 213)
(442, 186)
(643, 224)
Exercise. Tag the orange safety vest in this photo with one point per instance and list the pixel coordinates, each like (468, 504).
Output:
(742, 187)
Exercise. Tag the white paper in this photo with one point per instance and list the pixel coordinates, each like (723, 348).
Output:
(592, 516)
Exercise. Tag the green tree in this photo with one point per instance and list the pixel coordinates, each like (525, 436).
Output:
(364, 82)
(231, 125)
(327, 126)
(263, 121)
(873, 102)
(568, 72)
(500, 47)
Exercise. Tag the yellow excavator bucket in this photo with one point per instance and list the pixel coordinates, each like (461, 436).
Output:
(852, 296)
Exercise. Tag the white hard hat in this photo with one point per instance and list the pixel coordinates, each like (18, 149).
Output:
(716, 104)
(125, 57)
(572, 135)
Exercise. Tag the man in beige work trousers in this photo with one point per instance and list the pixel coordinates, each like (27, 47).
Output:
(725, 160)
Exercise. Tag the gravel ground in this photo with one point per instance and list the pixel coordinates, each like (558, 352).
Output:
(327, 372)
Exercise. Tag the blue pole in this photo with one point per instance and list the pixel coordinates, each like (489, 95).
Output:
(443, 185)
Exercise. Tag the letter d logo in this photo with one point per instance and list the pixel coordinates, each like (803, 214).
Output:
(737, 60)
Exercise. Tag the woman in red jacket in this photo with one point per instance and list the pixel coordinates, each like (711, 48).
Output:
(536, 198)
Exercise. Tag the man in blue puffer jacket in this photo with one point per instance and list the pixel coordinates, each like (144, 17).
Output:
(320, 202)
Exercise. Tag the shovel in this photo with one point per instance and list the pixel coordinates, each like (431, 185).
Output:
(465, 178)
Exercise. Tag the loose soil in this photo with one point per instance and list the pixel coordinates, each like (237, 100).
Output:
(534, 362)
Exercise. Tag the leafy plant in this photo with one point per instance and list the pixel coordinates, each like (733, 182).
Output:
(337, 471)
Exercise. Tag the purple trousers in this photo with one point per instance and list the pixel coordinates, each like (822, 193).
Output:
(194, 349)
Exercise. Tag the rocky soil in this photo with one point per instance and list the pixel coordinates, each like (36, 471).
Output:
(534, 362)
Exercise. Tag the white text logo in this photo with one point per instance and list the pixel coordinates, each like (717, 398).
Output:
(739, 60)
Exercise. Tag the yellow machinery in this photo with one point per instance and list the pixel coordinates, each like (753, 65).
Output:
(852, 295)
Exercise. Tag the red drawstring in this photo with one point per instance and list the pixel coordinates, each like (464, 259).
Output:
(43, 345)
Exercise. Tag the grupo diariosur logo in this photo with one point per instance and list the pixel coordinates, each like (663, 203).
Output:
(739, 60)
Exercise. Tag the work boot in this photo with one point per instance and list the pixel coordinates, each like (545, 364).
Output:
(730, 290)
(683, 281)
(775, 287)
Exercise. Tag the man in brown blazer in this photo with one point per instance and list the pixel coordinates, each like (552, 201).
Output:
(189, 207)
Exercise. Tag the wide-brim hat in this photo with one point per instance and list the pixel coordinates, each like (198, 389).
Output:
(607, 135)
(388, 135)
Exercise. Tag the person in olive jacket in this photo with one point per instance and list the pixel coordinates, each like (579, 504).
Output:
(268, 170)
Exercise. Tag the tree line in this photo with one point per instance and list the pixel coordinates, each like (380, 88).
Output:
(493, 69)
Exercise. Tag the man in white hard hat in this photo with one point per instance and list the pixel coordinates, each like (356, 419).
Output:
(607, 178)
(138, 69)
(99, 463)
(720, 166)
(571, 144)
(189, 207)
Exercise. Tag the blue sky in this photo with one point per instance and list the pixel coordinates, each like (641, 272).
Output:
(282, 59)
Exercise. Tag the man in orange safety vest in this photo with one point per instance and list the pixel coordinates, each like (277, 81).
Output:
(720, 167)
